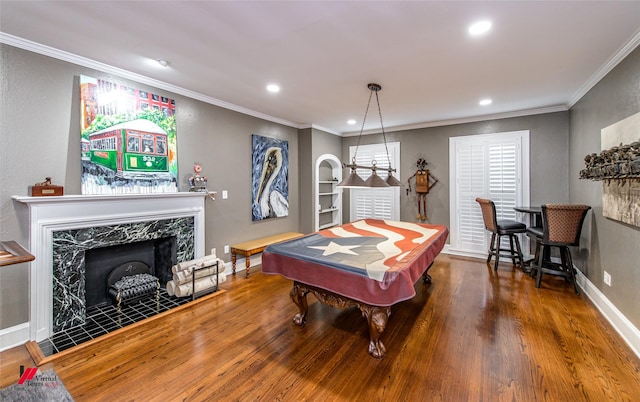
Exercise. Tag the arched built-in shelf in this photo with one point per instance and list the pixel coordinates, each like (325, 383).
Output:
(328, 208)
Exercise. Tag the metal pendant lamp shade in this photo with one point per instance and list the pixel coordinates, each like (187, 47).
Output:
(374, 181)
(353, 180)
(392, 181)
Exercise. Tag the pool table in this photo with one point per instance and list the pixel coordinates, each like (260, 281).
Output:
(371, 264)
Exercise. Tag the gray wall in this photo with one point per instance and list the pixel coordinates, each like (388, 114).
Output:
(39, 126)
(39, 137)
(307, 175)
(313, 143)
(324, 143)
(608, 244)
(549, 141)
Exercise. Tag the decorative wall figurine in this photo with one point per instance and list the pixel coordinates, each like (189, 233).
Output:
(620, 162)
(424, 182)
(198, 182)
(618, 167)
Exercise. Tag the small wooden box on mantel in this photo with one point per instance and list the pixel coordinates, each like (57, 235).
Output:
(46, 189)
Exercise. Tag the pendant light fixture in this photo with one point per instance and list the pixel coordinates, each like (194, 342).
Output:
(374, 181)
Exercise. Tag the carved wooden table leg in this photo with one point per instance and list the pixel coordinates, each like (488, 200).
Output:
(299, 296)
(233, 261)
(377, 318)
(247, 265)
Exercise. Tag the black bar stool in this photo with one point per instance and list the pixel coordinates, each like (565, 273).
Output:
(499, 228)
(561, 227)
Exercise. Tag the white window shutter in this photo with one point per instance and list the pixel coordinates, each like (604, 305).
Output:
(503, 179)
(488, 166)
(379, 203)
(471, 183)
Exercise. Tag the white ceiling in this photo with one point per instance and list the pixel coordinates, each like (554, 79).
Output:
(539, 56)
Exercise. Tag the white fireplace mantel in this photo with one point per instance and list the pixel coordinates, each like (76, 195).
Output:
(55, 213)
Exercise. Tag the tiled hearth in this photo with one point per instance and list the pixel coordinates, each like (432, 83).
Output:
(105, 319)
(62, 228)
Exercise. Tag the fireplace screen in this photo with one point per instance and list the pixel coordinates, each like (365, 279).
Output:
(106, 265)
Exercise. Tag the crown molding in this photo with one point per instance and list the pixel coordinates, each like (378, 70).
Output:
(472, 119)
(96, 65)
(623, 52)
(317, 127)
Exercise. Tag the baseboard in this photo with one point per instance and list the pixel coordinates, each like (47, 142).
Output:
(256, 259)
(620, 323)
(14, 336)
(481, 256)
(451, 251)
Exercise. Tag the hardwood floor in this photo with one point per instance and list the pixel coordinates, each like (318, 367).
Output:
(472, 335)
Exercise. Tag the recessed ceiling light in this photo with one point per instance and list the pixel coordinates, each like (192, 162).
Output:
(351, 122)
(163, 63)
(479, 28)
(273, 88)
(485, 102)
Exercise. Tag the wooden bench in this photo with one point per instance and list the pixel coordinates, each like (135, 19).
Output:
(249, 248)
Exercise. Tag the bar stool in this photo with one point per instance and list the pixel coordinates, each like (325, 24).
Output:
(535, 233)
(499, 228)
(561, 227)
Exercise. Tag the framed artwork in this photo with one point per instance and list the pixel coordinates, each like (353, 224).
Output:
(621, 198)
(128, 139)
(269, 178)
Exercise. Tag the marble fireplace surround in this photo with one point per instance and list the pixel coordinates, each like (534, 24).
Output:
(94, 221)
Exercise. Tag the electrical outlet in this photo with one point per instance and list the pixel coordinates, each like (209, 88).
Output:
(225, 194)
(607, 278)
(226, 249)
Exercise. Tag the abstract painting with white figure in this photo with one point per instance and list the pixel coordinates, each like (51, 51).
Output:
(269, 178)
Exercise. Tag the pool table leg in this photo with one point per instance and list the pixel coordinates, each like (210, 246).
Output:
(377, 318)
(299, 297)
(426, 278)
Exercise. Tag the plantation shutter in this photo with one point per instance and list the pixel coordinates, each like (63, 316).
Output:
(503, 178)
(379, 203)
(487, 166)
(471, 181)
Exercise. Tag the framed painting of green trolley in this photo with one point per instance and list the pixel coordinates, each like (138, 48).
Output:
(128, 139)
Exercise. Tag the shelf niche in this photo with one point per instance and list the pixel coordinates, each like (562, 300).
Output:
(328, 208)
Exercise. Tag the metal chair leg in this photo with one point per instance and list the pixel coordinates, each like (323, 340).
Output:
(497, 251)
(513, 251)
(572, 271)
(538, 265)
(520, 256)
(493, 237)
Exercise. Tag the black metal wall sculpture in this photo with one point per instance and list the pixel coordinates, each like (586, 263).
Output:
(619, 162)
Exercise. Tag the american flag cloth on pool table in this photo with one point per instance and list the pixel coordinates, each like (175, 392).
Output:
(369, 247)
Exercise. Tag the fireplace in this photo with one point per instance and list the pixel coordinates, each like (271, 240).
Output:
(63, 230)
(70, 247)
(104, 266)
